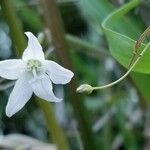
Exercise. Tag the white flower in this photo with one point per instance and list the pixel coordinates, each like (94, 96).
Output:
(34, 74)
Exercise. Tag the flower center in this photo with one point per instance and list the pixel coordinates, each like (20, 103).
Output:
(34, 66)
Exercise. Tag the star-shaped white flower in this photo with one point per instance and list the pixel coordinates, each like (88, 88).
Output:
(34, 74)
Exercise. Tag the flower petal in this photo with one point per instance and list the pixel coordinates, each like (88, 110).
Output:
(57, 73)
(19, 96)
(11, 69)
(42, 87)
(34, 49)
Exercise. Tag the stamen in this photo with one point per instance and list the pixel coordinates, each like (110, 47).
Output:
(34, 66)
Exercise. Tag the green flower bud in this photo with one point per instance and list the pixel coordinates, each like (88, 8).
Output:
(85, 88)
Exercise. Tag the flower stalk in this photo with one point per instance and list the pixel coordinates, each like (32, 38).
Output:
(117, 81)
(20, 42)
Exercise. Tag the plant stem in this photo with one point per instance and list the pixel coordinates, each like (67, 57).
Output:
(127, 73)
(20, 42)
(53, 127)
(54, 23)
(15, 26)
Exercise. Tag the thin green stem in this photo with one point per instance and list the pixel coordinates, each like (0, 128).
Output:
(127, 73)
(20, 42)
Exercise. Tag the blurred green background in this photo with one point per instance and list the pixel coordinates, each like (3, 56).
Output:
(119, 116)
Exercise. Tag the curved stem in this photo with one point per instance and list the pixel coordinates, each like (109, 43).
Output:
(127, 73)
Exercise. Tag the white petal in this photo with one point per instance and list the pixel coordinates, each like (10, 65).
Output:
(12, 69)
(42, 87)
(34, 49)
(19, 96)
(57, 73)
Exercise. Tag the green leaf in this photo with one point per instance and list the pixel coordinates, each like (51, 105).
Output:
(142, 82)
(121, 33)
(94, 11)
(121, 44)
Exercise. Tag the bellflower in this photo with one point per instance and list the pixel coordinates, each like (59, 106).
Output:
(34, 74)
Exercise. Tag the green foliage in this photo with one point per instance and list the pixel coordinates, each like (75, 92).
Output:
(122, 45)
(112, 107)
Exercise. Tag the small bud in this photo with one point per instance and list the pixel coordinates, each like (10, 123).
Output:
(85, 88)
